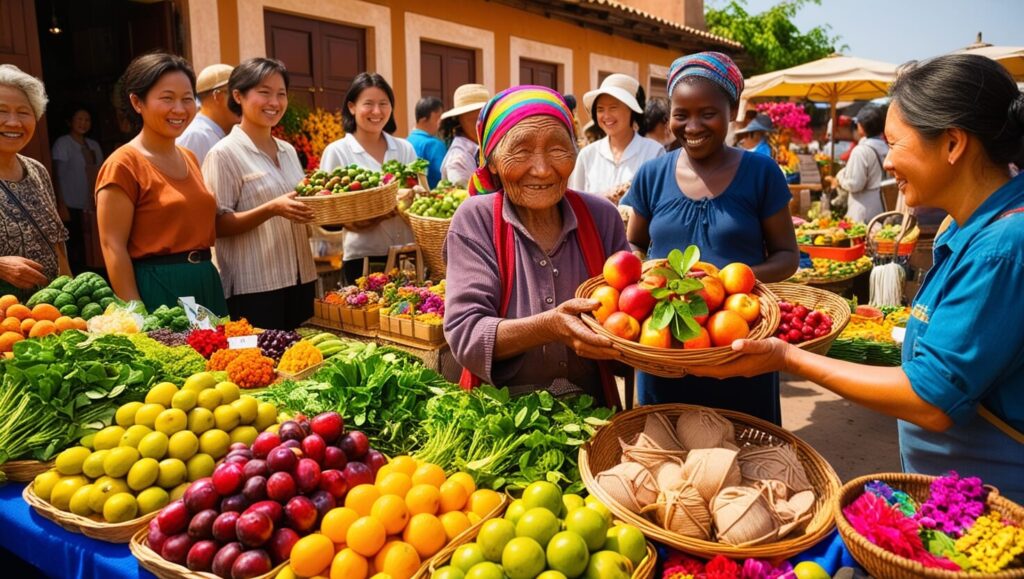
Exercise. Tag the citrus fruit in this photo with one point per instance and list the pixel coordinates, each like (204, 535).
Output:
(79, 503)
(485, 570)
(209, 399)
(172, 473)
(199, 466)
(311, 555)
(120, 508)
(571, 502)
(133, 435)
(119, 461)
(229, 392)
(550, 574)
(590, 525)
(540, 525)
(200, 420)
(465, 556)
(184, 400)
(430, 474)
(404, 464)
(494, 535)
(448, 572)
(266, 416)
(226, 418)
(70, 461)
(146, 415)
(152, 499)
(607, 565)
(544, 495)
(153, 445)
(453, 496)
(161, 394)
(365, 536)
(104, 488)
(336, 523)
(592, 502)
(62, 492)
(515, 511)
(391, 511)
(244, 434)
(200, 381)
(348, 564)
(425, 533)
(398, 559)
(143, 474)
(809, 570)
(43, 484)
(483, 501)
(454, 524)
(93, 465)
(522, 558)
(466, 480)
(361, 498)
(395, 483)
(247, 407)
(214, 442)
(423, 498)
(125, 415)
(567, 553)
(627, 541)
(108, 438)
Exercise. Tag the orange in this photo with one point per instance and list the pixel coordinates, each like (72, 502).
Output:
(453, 496)
(366, 536)
(391, 511)
(383, 472)
(406, 464)
(311, 555)
(348, 564)
(26, 326)
(426, 534)
(7, 301)
(454, 524)
(336, 523)
(361, 499)
(80, 324)
(430, 474)
(11, 324)
(42, 328)
(483, 501)
(395, 483)
(64, 324)
(45, 312)
(423, 498)
(19, 311)
(473, 517)
(8, 339)
(397, 559)
(465, 479)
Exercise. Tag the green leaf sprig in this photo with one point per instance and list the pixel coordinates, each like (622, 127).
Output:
(679, 302)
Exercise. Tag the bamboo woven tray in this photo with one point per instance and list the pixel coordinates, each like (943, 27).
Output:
(151, 561)
(24, 470)
(353, 206)
(430, 233)
(109, 532)
(816, 299)
(673, 363)
(604, 451)
(882, 563)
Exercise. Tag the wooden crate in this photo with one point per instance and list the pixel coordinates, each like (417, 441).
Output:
(359, 321)
(411, 332)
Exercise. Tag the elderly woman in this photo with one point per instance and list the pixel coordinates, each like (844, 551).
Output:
(32, 244)
(954, 125)
(516, 256)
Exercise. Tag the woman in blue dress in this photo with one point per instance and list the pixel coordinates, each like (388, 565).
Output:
(954, 125)
(732, 204)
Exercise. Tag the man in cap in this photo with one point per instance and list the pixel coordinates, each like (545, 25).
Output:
(214, 119)
(754, 136)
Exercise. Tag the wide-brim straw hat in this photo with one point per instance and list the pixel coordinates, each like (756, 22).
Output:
(621, 87)
(761, 123)
(468, 97)
(213, 76)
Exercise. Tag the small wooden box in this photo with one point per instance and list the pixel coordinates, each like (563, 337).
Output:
(409, 331)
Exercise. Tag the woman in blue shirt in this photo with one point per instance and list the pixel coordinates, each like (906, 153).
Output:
(732, 204)
(954, 125)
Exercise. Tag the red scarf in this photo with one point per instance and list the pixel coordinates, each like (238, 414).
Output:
(505, 250)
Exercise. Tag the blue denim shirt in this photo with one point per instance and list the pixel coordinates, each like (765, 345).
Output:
(964, 346)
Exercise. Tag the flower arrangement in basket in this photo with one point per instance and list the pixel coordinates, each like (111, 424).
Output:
(356, 308)
(903, 525)
(309, 131)
(414, 312)
(667, 315)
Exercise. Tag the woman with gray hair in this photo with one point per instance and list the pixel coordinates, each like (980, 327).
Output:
(32, 241)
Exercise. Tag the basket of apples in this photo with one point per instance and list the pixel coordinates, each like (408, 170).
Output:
(348, 194)
(666, 316)
(809, 318)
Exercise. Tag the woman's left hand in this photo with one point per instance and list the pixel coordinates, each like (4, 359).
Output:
(571, 331)
(759, 357)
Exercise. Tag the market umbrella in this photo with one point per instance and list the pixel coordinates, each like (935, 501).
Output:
(1012, 57)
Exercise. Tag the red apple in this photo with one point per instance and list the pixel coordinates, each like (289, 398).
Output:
(251, 564)
(224, 526)
(748, 306)
(225, 558)
(623, 325)
(173, 519)
(176, 548)
(272, 509)
(637, 302)
(281, 487)
(656, 338)
(329, 425)
(609, 299)
(300, 514)
(725, 326)
(254, 528)
(703, 340)
(280, 545)
(200, 556)
(622, 269)
(737, 278)
(333, 481)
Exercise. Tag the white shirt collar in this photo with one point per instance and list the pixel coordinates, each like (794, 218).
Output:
(356, 147)
(604, 146)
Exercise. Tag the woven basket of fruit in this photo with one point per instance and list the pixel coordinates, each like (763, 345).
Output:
(24, 470)
(811, 318)
(347, 195)
(151, 561)
(90, 527)
(666, 316)
(429, 216)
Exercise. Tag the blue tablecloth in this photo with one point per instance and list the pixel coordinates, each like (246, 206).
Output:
(55, 551)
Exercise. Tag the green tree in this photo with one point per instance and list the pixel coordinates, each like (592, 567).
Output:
(770, 37)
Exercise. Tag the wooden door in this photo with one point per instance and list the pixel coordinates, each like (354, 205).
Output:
(19, 45)
(322, 57)
(657, 87)
(445, 68)
(538, 73)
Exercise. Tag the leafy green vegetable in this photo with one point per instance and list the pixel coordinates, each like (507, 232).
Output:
(165, 317)
(58, 388)
(177, 362)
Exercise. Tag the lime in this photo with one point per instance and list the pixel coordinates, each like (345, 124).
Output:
(590, 525)
(448, 572)
(485, 570)
(522, 558)
(226, 417)
(65, 488)
(244, 434)
(178, 491)
(592, 502)
(199, 466)
(247, 408)
(551, 574)
(104, 488)
(571, 502)
(210, 399)
(172, 473)
(146, 415)
(119, 461)
(214, 443)
(494, 535)
(134, 435)
(161, 394)
(543, 494)
(152, 499)
(79, 503)
(465, 556)
(627, 541)
(266, 416)
(71, 460)
(608, 565)
(567, 553)
(540, 525)
(515, 511)
(107, 438)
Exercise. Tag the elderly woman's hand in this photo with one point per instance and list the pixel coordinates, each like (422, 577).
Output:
(759, 357)
(21, 272)
(571, 331)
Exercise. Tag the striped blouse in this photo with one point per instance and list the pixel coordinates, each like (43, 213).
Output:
(276, 254)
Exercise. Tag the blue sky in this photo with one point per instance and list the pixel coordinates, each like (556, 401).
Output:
(899, 30)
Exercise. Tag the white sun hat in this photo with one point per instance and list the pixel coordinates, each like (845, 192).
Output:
(619, 86)
(468, 97)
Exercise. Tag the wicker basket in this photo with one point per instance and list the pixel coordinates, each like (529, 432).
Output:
(24, 470)
(353, 206)
(109, 532)
(430, 233)
(672, 363)
(816, 299)
(882, 563)
(603, 451)
(151, 561)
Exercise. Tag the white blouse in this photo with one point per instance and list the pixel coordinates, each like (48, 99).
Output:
(391, 231)
(597, 172)
(460, 162)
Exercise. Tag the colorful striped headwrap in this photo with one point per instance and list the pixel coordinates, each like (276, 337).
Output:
(503, 112)
(714, 66)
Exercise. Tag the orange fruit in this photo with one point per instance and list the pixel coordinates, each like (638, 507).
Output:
(311, 555)
(19, 311)
(391, 511)
(361, 498)
(45, 312)
(348, 564)
(483, 501)
(42, 328)
(453, 496)
(426, 534)
(383, 472)
(395, 483)
(398, 559)
(430, 474)
(8, 339)
(26, 326)
(11, 324)
(465, 479)
(336, 523)
(473, 517)
(7, 301)
(406, 464)
(80, 324)
(366, 536)
(64, 324)
(454, 524)
(423, 498)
